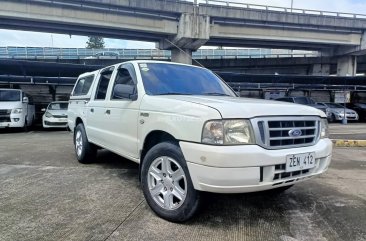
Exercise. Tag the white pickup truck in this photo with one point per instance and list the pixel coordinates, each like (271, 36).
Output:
(16, 111)
(190, 133)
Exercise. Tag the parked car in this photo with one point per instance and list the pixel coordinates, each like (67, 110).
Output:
(360, 108)
(303, 100)
(55, 115)
(104, 55)
(337, 112)
(16, 109)
(190, 133)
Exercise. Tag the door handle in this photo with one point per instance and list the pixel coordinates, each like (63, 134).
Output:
(108, 112)
(92, 110)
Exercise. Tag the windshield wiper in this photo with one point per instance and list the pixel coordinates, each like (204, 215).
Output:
(216, 94)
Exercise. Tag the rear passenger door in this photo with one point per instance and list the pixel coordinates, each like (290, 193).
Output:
(97, 116)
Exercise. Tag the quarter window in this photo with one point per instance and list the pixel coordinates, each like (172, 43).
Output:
(83, 85)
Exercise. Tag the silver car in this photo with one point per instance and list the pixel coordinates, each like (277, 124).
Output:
(337, 112)
(55, 115)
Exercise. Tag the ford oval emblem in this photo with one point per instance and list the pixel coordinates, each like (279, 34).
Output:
(295, 133)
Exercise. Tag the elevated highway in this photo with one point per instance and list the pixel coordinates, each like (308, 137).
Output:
(184, 26)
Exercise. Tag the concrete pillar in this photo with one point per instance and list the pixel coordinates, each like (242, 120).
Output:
(347, 66)
(182, 57)
(193, 31)
(320, 69)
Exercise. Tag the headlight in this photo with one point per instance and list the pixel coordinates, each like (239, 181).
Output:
(48, 114)
(324, 132)
(228, 132)
(17, 111)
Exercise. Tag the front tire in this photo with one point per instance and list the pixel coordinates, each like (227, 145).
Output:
(167, 185)
(25, 127)
(84, 150)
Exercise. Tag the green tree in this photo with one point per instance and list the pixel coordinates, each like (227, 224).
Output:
(95, 42)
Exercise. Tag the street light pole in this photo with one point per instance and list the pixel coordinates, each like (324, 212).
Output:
(292, 4)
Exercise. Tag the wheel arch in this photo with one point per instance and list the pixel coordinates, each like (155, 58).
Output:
(153, 138)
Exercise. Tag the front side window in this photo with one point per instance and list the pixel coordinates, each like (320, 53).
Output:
(166, 79)
(9, 95)
(123, 77)
(83, 85)
(103, 83)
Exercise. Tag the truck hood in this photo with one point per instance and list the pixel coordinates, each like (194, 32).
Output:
(8, 105)
(235, 107)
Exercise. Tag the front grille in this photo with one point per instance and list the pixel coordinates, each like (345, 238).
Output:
(275, 133)
(5, 115)
(55, 123)
(4, 119)
(60, 116)
(5, 112)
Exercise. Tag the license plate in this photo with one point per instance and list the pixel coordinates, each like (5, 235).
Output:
(299, 162)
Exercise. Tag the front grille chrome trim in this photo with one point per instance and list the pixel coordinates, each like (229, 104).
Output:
(306, 124)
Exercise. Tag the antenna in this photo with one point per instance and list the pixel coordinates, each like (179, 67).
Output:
(185, 53)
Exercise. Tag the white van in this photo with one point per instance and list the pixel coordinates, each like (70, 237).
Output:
(15, 109)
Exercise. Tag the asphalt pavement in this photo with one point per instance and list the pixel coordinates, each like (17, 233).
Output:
(45, 194)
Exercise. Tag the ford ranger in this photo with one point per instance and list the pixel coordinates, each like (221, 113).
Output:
(190, 133)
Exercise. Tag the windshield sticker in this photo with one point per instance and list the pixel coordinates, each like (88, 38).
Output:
(143, 65)
(145, 69)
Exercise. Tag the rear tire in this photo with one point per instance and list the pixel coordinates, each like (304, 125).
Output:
(332, 118)
(167, 185)
(84, 150)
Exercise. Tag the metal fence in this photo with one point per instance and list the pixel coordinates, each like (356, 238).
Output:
(276, 8)
(112, 53)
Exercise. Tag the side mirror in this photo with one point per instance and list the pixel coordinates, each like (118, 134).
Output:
(25, 100)
(43, 109)
(121, 91)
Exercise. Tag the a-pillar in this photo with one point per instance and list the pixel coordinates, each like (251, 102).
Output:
(347, 66)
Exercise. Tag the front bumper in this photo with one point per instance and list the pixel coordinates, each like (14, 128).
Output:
(51, 122)
(240, 169)
(12, 121)
(348, 117)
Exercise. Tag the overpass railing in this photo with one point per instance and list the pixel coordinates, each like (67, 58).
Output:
(280, 9)
(112, 53)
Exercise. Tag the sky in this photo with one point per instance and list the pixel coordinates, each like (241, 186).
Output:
(34, 39)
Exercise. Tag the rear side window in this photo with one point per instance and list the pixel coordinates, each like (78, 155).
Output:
(83, 85)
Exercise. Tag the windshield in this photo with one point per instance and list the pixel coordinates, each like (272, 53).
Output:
(58, 106)
(9, 95)
(165, 79)
(334, 105)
